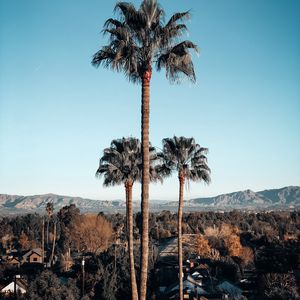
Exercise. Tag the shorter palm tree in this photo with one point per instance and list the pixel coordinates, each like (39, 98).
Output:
(121, 163)
(188, 159)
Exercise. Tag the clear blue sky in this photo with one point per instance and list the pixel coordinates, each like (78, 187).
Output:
(57, 112)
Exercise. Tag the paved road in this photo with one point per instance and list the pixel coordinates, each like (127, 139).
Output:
(169, 247)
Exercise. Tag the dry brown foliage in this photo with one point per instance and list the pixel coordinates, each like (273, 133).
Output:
(203, 248)
(92, 233)
(27, 244)
(230, 235)
(233, 245)
(7, 241)
(24, 241)
(212, 231)
(247, 255)
(223, 231)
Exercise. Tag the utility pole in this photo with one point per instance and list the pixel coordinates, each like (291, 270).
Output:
(15, 285)
(82, 265)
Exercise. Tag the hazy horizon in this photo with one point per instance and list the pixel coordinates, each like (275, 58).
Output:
(150, 199)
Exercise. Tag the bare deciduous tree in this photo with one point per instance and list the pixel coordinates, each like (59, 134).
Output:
(279, 286)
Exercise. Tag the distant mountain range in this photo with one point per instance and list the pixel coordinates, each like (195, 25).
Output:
(284, 197)
(287, 197)
(13, 203)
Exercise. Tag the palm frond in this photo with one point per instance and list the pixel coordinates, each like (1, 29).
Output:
(152, 13)
(112, 22)
(168, 34)
(181, 48)
(179, 17)
(132, 17)
(118, 33)
(178, 61)
(127, 10)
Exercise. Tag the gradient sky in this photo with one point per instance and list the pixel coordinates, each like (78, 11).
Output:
(57, 112)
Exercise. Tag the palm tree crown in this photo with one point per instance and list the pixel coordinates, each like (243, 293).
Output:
(140, 37)
(185, 156)
(122, 161)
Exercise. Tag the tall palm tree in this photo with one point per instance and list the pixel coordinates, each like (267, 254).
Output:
(138, 40)
(188, 159)
(121, 163)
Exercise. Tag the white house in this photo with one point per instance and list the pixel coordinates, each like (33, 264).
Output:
(10, 288)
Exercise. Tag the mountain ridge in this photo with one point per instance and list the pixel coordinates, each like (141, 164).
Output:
(282, 197)
(289, 195)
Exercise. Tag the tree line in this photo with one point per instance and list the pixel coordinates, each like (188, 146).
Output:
(67, 230)
(266, 242)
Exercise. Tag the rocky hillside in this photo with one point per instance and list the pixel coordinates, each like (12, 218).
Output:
(275, 198)
(39, 202)
(287, 196)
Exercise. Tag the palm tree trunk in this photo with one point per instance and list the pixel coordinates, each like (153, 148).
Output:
(134, 292)
(145, 183)
(53, 245)
(47, 240)
(126, 193)
(43, 240)
(180, 210)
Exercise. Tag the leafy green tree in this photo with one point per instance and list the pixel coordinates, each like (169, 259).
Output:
(106, 274)
(47, 286)
(188, 159)
(138, 39)
(121, 163)
(66, 219)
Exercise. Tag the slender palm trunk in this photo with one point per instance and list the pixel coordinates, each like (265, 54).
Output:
(180, 210)
(43, 240)
(129, 210)
(145, 184)
(127, 215)
(53, 245)
(47, 238)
